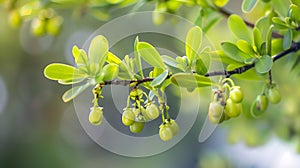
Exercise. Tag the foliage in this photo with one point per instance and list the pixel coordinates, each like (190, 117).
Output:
(256, 48)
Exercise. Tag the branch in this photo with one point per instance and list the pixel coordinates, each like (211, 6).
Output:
(295, 47)
(249, 24)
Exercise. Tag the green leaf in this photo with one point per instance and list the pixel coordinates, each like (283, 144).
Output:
(150, 55)
(296, 2)
(287, 39)
(193, 43)
(112, 58)
(248, 5)
(245, 47)
(279, 23)
(138, 58)
(110, 72)
(233, 52)
(200, 67)
(239, 28)
(80, 56)
(269, 40)
(263, 64)
(188, 80)
(58, 71)
(124, 72)
(220, 56)
(171, 63)
(257, 38)
(98, 52)
(220, 3)
(73, 92)
(70, 81)
(263, 25)
(159, 79)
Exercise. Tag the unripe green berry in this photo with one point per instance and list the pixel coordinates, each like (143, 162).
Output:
(152, 111)
(54, 25)
(215, 113)
(165, 132)
(137, 127)
(274, 95)
(96, 115)
(38, 27)
(174, 126)
(15, 19)
(233, 109)
(259, 106)
(236, 94)
(128, 117)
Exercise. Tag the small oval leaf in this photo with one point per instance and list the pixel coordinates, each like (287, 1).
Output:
(248, 5)
(191, 80)
(73, 92)
(239, 28)
(193, 43)
(58, 71)
(159, 79)
(264, 64)
(150, 55)
(98, 52)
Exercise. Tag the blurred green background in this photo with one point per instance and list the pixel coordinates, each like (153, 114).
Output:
(38, 130)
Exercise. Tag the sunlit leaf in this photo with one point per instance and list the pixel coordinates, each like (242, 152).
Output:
(239, 28)
(138, 58)
(232, 51)
(191, 80)
(80, 56)
(193, 43)
(220, 3)
(98, 52)
(70, 81)
(263, 64)
(73, 92)
(159, 79)
(112, 58)
(245, 47)
(248, 5)
(58, 71)
(110, 71)
(257, 38)
(150, 55)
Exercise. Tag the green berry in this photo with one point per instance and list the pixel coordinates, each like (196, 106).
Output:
(174, 126)
(15, 19)
(259, 106)
(38, 27)
(233, 109)
(274, 95)
(96, 115)
(128, 117)
(137, 127)
(165, 132)
(215, 113)
(54, 25)
(236, 94)
(152, 111)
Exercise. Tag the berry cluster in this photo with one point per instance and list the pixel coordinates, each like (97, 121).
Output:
(260, 104)
(226, 102)
(137, 113)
